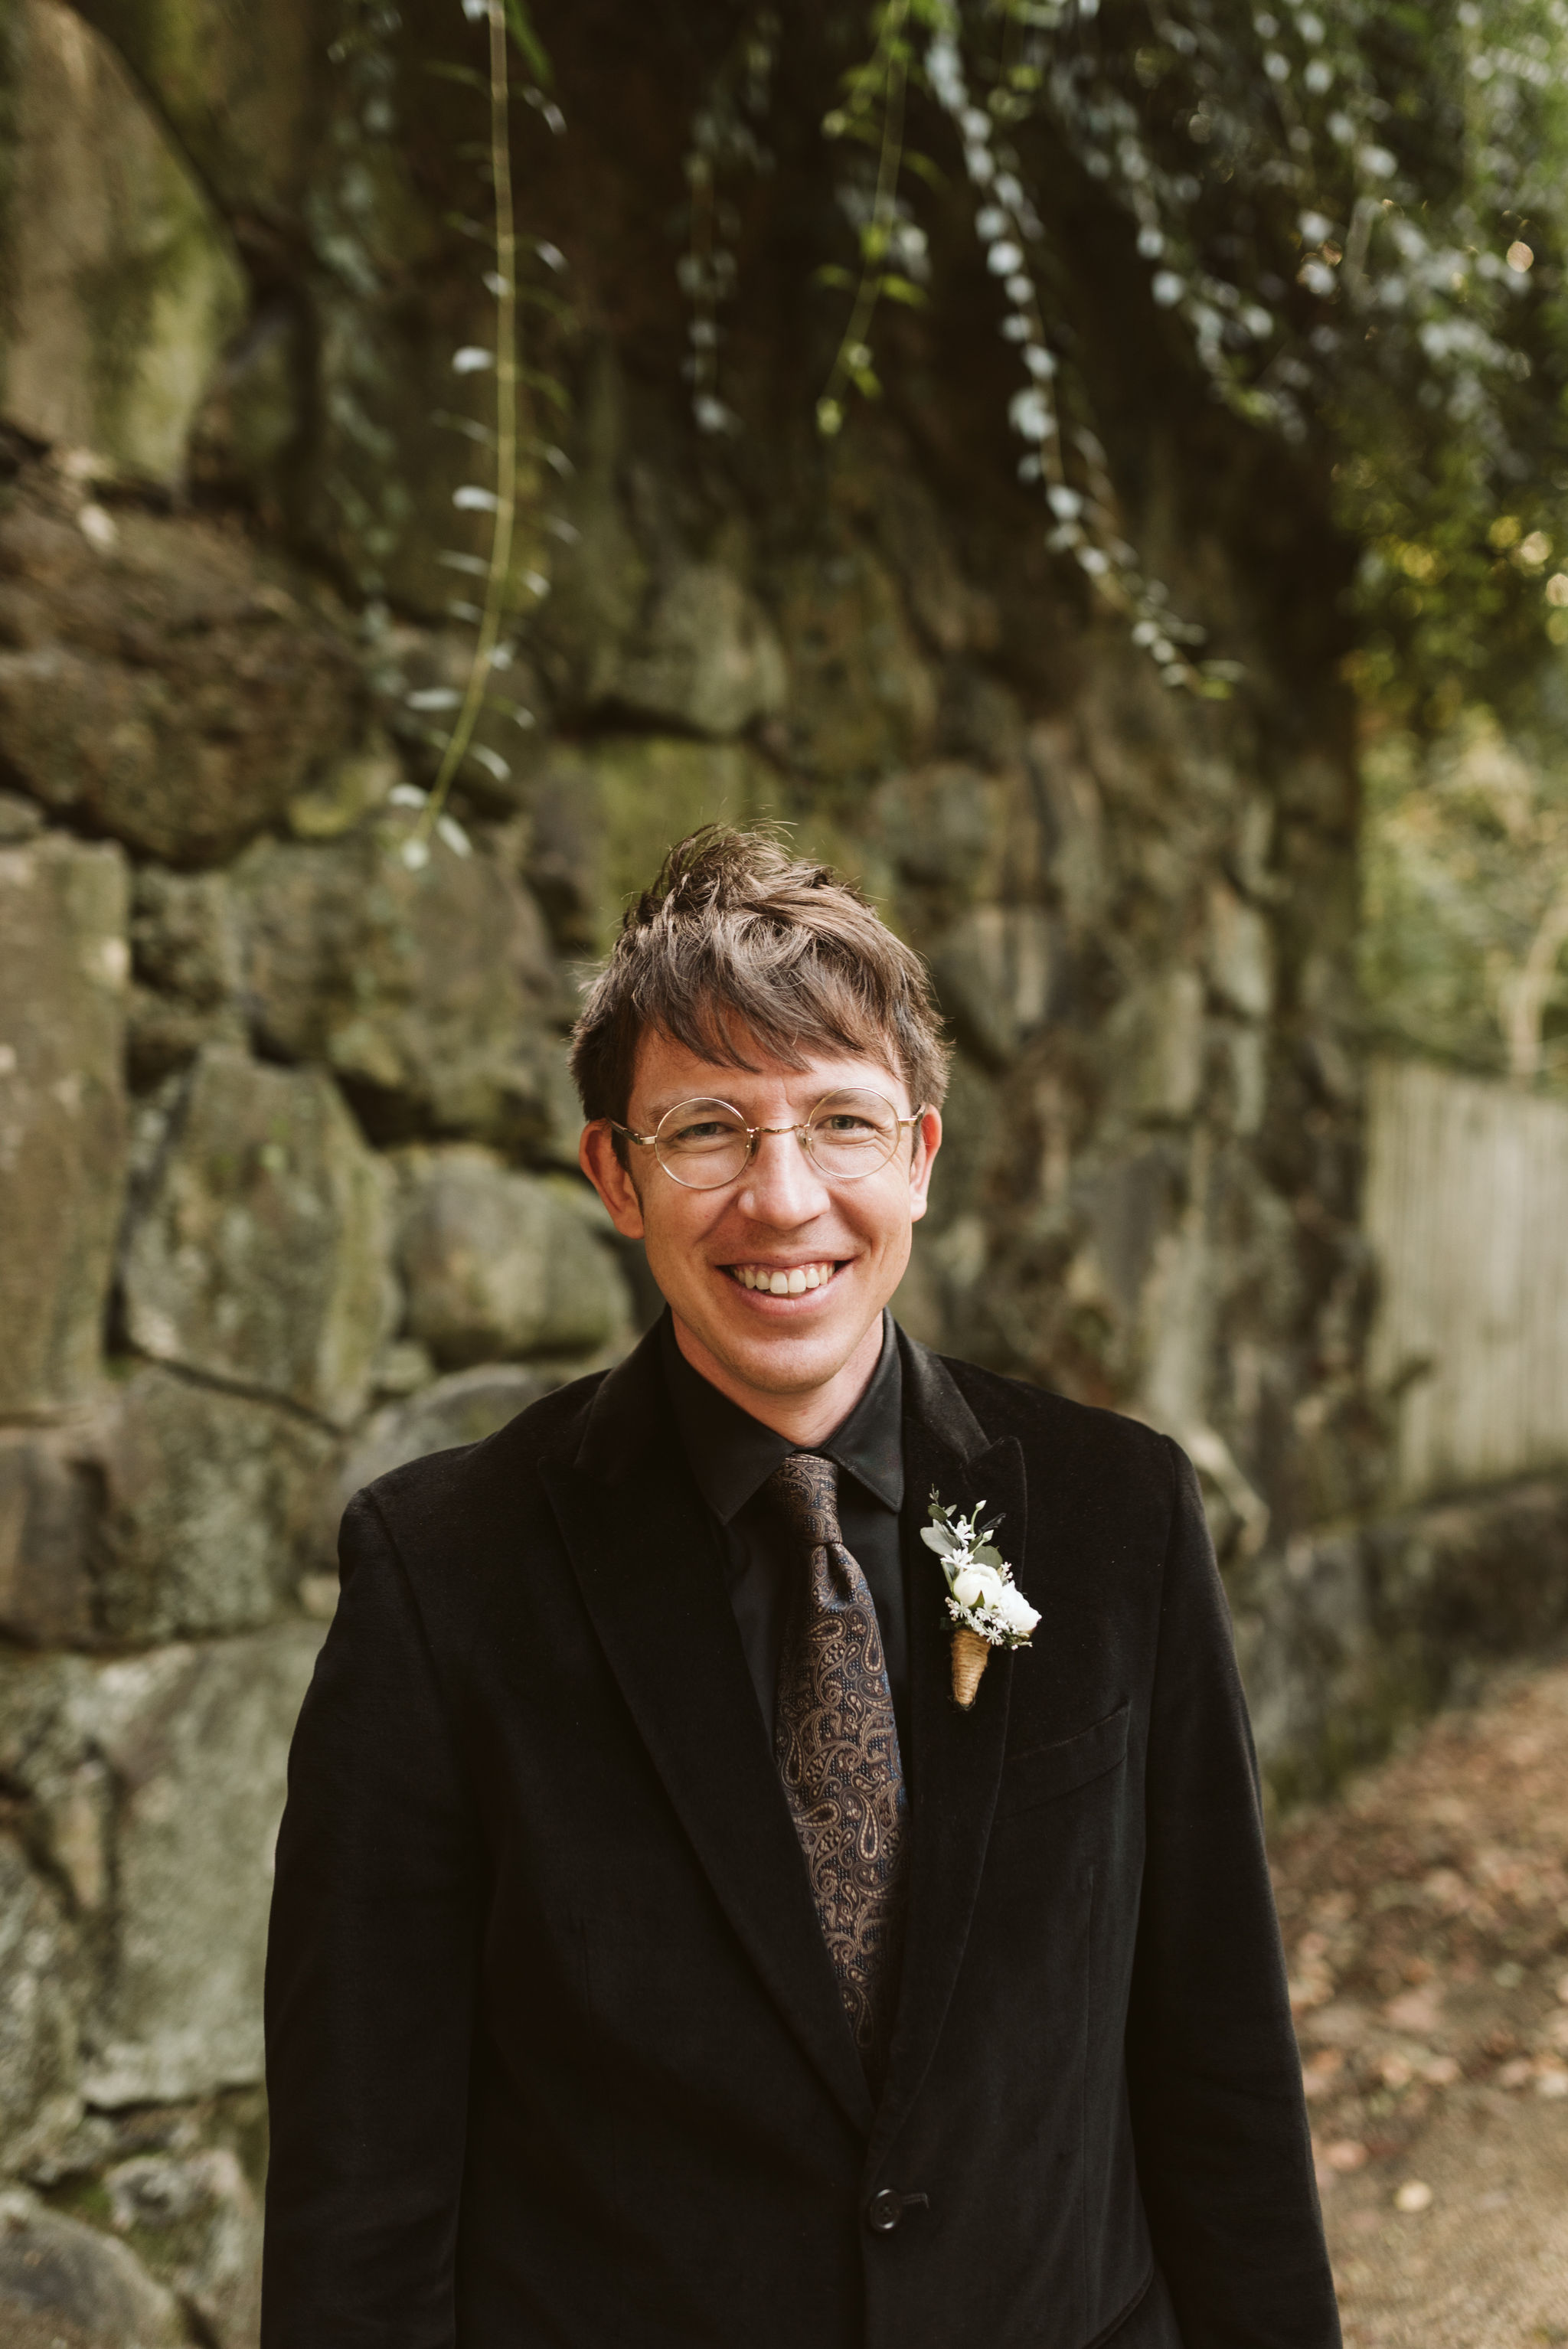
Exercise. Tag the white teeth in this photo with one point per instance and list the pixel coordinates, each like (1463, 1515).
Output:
(794, 1283)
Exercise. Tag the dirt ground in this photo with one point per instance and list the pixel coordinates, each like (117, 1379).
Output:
(1426, 1918)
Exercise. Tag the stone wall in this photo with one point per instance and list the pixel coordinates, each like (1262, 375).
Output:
(286, 1145)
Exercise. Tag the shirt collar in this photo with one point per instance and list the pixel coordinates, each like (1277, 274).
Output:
(732, 1455)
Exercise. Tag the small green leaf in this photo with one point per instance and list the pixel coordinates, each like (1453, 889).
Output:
(548, 385)
(856, 126)
(924, 169)
(520, 27)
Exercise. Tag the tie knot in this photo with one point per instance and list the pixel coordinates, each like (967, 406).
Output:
(804, 1489)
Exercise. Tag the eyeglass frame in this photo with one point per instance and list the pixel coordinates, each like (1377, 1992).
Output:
(754, 1134)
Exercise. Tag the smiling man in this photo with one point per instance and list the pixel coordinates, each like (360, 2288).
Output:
(728, 1893)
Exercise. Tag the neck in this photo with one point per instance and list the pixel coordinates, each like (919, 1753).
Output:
(803, 1418)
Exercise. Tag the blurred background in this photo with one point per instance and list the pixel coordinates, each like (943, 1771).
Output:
(1096, 474)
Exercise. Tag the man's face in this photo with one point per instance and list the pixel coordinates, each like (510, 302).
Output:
(781, 1215)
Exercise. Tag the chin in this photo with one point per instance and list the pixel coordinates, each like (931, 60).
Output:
(787, 1360)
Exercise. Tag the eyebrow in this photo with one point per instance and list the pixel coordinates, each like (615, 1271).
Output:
(662, 1108)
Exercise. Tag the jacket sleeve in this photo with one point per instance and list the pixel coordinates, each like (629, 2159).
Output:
(371, 1963)
(1214, 2079)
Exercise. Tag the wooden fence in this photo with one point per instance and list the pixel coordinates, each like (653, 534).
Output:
(1467, 1207)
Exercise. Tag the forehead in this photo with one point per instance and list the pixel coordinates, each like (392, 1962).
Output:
(668, 1072)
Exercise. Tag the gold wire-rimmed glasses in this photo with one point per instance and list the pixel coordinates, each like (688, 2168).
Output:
(704, 1144)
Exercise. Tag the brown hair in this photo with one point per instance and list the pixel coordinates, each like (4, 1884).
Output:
(739, 943)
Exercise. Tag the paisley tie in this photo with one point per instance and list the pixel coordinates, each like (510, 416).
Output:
(836, 1742)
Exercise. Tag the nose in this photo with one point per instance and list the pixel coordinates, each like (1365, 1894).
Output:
(781, 1187)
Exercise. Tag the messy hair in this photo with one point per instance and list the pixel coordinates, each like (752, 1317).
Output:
(739, 948)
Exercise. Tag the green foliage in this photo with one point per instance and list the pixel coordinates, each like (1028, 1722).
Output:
(1352, 217)
(1466, 893)
(1351, 220)
(871, 110)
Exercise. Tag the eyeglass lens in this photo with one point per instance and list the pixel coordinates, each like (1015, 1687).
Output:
(704, 1144)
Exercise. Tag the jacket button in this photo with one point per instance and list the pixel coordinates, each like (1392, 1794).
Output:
(884, 2211)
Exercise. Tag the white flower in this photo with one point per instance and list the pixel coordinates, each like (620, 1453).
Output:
(1016, 1611)
(978, 1585)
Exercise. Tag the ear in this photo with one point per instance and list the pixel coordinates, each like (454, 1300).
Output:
(597, 1157)
(927, 1142)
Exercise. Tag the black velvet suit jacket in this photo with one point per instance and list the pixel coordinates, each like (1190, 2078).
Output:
(556, 2055)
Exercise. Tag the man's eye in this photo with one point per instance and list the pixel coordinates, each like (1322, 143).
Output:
(844, 1122)
(708, 1130)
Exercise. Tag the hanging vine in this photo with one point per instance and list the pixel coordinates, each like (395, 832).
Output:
(1331, 206)
(871, 112)
(723, 139)
(507, 23)
(1350, 217)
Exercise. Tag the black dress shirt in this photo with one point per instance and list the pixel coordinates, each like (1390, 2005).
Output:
(732, 1455)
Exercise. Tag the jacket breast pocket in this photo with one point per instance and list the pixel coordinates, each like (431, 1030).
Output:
(1045, 1772)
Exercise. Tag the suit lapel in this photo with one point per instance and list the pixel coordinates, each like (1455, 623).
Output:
(958, 1756)
(644, 1551)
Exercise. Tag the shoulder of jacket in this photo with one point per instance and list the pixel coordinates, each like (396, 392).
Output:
(1034, 1415)
(442, 1487)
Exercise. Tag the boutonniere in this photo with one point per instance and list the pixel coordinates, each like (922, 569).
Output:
(987, 1608)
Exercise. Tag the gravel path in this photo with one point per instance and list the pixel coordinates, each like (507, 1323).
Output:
(1426, 1915)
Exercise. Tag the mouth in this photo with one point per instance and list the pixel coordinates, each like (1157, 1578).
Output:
(785, 1280)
